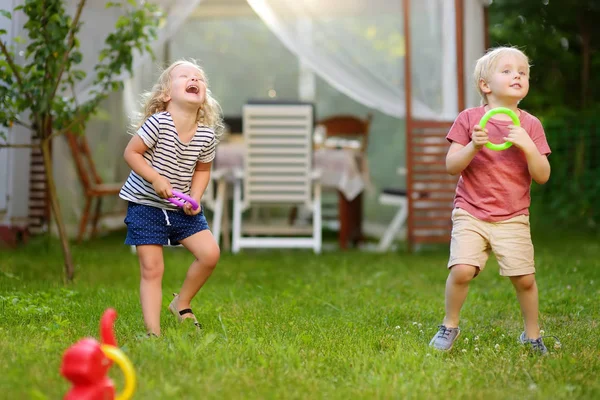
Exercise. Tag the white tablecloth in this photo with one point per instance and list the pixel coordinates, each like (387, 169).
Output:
(340, 169)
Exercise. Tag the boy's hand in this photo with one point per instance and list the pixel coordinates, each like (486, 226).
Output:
(479, 137)
(520, 138)
(162, 187)
(187, 207)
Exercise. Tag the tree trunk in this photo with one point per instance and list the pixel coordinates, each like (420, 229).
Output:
(586, 56)
(55, 207)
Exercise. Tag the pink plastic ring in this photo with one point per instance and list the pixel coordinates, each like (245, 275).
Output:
(183, 197)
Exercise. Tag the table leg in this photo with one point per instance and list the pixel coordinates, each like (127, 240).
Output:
(350, 218)
(225, 224)
(357, 234)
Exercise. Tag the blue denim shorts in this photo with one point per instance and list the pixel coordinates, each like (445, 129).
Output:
(153, 225)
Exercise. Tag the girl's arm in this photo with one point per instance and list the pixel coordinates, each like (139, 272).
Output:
(134, 156)
(200, 181)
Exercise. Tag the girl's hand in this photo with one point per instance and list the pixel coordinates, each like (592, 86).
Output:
(520, 138)
(479, 137)
(187, 207)
(162, 186)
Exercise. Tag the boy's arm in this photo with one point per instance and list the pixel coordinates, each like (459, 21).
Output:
(538, 164)
(459, 157)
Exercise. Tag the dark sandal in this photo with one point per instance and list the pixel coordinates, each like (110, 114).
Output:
(180, 314)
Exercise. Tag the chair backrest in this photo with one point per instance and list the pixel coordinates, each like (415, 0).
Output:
(278, 153)
(348, 126)
(84, 163)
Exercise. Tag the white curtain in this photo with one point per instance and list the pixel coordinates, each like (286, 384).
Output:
(99, 21)
(357, 46)
(474, 17)
(106, 132)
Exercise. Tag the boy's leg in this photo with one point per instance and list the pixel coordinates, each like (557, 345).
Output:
(152, 268)
(457, 287)
(468, 255)
(469, 251)
(527, 294)
(204, 247)
(511, 242)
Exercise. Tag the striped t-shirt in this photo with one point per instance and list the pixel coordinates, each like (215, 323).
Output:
(171, 158)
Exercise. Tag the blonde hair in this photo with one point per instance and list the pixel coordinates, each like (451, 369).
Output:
(486, 64)
(209, 114)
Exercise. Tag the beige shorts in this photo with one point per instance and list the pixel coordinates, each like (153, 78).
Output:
(510, 240)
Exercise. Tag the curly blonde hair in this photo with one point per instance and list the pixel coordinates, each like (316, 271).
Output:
(486, 64)
(209, 114)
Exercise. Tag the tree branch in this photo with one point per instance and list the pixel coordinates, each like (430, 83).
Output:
(71, 39)
(19, 146)
(19, 122)
(46, 65)
(12, 65)
(73, 94)
(80, 118)
(56, 133)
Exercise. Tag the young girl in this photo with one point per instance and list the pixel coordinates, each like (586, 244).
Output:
(173, 149)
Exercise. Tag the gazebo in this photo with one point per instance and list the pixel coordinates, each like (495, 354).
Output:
(407, 61)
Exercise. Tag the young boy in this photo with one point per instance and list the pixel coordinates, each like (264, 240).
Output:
(491, 205)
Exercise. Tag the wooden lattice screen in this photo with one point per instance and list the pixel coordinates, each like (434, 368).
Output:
(430, 188)
(39, 206)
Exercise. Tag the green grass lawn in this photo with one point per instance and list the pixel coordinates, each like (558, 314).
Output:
(281, 325)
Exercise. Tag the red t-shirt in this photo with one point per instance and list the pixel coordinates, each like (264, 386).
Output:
(495, 186)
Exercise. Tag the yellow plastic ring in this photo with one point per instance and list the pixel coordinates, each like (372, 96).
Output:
(123, 362)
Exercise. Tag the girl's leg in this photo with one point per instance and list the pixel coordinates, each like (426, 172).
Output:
(204, 247)
(457, 287)
(152, 268)
(527, 294)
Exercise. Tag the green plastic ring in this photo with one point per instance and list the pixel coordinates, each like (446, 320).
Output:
(490, 114)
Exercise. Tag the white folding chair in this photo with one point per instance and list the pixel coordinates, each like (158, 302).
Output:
(214, 200)
(397, 198)
(277, 171)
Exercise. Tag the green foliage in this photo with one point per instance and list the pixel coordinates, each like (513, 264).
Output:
(41, 86)
(559, 40)
(563, 45)
(573, 193)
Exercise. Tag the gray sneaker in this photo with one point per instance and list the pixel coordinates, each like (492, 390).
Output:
(444, 338)
(538, 344)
